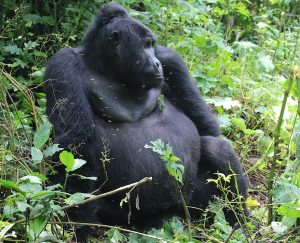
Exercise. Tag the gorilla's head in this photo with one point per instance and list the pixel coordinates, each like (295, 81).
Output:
(125, 47)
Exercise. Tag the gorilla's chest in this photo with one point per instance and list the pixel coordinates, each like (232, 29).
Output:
(131, 161)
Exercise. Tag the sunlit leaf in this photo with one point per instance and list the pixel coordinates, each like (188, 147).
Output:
(67, 159)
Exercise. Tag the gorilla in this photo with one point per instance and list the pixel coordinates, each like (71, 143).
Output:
(105, 94)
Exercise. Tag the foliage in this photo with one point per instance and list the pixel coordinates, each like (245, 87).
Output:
(245, 58)
(165, 152)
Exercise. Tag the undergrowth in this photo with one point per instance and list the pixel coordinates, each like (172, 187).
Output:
(244, 56)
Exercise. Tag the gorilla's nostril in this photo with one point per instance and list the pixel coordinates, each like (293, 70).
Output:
(157, 65)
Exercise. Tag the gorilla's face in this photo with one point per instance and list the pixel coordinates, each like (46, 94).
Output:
(122, 47)
(131, 47)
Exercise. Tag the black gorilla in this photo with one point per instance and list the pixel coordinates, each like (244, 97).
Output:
(107, 91)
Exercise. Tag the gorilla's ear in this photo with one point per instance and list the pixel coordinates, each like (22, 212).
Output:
(109, 12)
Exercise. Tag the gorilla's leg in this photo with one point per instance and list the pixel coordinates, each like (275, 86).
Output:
(217, 155)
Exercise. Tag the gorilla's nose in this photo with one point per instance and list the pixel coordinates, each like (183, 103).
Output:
(158, 65)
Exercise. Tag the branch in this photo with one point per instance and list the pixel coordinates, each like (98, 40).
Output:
(106, 194)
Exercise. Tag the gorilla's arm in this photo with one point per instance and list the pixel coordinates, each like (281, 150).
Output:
(182, 91)
(67, 106)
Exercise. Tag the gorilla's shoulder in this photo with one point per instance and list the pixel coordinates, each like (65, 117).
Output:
(65, 54)
(65, 60)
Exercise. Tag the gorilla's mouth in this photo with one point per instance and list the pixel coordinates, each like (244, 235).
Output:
(158, 77)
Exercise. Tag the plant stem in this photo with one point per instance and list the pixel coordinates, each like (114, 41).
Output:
(65, 182)
(276, 148)
(186, 212)
(234, 228)
(110, 226)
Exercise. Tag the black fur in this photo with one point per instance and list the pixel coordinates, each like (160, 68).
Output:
(106, 91)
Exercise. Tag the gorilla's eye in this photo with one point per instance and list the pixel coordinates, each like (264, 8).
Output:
(148, 43)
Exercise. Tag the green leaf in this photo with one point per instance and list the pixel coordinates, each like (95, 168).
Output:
(77, 164)
(31, 179)
(67, 159)
(240, 123)
(31, 187)
(115, 236)
(12, 49)
(36, 155)
(77, 197)
(42, 135)
(37, 209)
(37, 225)
(166, 155)
(42, 177)
(175, 170)
(52, 150)
(22, 206)
(44, 193)
(158, 146)
(291, 210)
(18, 62)
(10, 185)
(174, 226)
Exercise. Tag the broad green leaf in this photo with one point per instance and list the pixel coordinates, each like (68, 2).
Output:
(37, 209)
(22, 206)
(77, 164)
(67, 159)
(37, 225)
(115, 236)
(290, 210)
(77, 197)
(52, 150)
(31, 187)
(42, 135)
(31, 179)
(36, 155)
(42, 177)
(10, 185)
(240, 123)
(45, 193)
